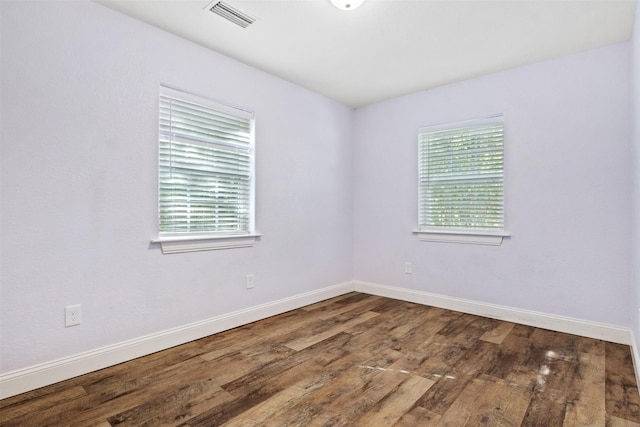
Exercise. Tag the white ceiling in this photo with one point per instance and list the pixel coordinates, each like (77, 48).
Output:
(388, 48)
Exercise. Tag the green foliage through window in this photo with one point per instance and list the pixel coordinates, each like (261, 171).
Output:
(461, 176)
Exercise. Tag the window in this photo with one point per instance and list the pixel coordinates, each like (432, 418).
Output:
(461, 194)
(206, 173)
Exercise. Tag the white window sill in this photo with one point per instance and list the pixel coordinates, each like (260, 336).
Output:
(462, 236)
(173, 245)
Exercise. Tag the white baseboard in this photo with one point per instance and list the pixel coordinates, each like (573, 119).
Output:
(31, 378)
(557, 323)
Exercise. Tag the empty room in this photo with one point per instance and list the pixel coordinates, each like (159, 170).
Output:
(320, 213)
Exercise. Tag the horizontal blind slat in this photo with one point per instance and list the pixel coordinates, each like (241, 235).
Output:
(461, 176)
(205, 168)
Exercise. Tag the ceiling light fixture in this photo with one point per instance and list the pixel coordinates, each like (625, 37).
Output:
(347, 4)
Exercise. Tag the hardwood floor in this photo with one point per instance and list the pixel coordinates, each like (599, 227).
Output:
(355, 360)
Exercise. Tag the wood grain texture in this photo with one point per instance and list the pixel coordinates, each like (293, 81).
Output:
(354, 360)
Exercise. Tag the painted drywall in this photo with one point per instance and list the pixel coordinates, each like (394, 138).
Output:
(635, 54)
(567, 190)
(79, 150)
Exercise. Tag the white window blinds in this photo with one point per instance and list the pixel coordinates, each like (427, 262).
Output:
(206, 166)
(461, 176)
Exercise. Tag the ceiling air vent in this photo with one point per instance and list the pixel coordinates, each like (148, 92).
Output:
(232, 14)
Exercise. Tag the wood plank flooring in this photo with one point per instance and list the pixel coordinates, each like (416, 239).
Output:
(354, 360)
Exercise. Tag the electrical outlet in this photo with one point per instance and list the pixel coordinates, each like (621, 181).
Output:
(250, 281)
(408, 268)
(72, 315)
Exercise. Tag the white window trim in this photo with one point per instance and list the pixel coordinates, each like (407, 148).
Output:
(171, 243)
(181, 244)
(475, 237)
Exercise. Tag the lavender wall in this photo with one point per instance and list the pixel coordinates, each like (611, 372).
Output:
(79, 167)
(568, 187)
(635, 53)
